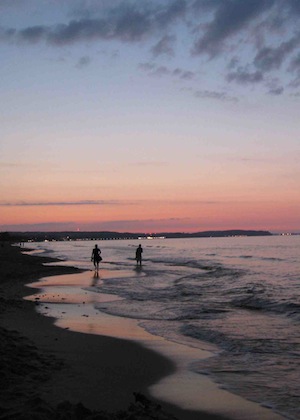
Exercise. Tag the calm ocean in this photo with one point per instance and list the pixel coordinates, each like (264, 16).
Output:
(242, 294)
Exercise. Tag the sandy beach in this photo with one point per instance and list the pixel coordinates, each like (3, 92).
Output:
(53, 373)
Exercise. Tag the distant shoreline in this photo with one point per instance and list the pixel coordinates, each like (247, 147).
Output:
(109, 235)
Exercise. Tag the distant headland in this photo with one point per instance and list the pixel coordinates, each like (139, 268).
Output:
(107, 235)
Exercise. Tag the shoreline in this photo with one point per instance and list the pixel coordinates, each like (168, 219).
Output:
(56, 365)
(73, 303)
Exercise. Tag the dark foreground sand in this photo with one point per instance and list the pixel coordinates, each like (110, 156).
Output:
(50, 373)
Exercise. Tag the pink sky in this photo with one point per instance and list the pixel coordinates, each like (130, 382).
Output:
(181, 118)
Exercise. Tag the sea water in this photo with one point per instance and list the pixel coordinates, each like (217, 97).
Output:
(242, 294)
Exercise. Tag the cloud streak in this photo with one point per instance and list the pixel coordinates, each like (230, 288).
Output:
(40, 227)
(220, 96)
(83, 62)
(100, 202)
(165, 46)
(243, 76)
(65, 203)
(152, 69)
(129, 22)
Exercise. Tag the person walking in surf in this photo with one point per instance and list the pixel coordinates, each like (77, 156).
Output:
(138, 255)
(96, 257)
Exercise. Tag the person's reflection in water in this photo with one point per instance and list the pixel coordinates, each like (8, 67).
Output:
(95, 278)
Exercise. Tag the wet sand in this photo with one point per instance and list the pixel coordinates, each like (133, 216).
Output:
(77, 303)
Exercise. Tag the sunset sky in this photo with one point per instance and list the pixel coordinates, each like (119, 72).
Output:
(150, 116)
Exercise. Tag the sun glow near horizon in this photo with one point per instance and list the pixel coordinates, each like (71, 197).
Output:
(150, 216)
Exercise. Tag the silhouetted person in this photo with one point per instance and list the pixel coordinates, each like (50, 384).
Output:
(138, 255)
(96, 257)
